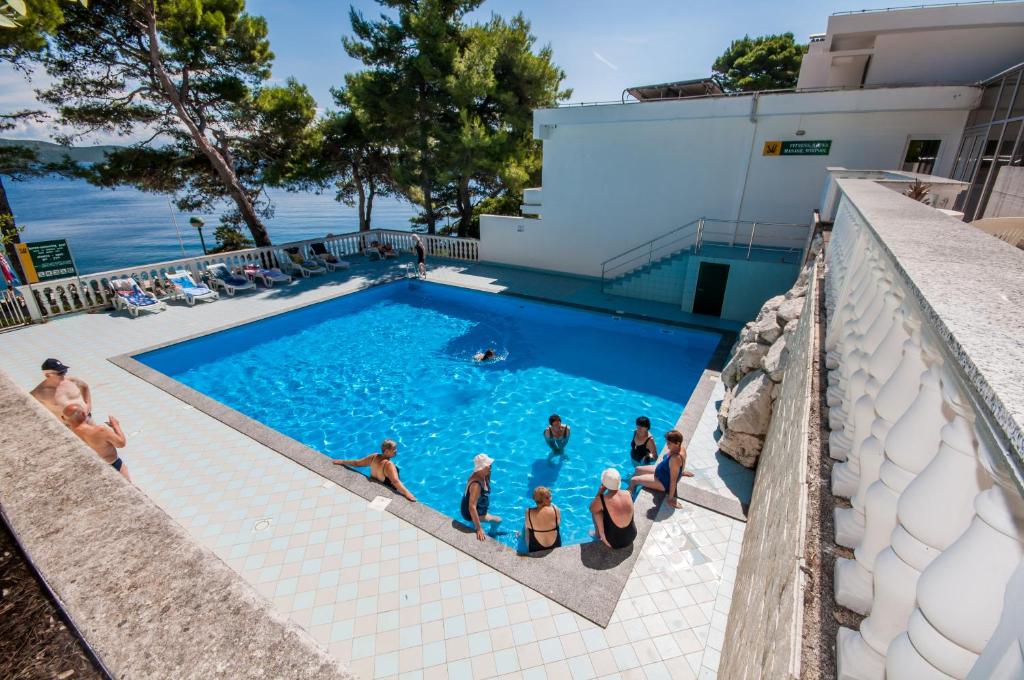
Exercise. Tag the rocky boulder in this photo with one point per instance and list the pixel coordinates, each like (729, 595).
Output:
(723, 411)
(750, 410)
(767, 329)
(774, 362)
(743, 448)
(746, 358)
(790, 310)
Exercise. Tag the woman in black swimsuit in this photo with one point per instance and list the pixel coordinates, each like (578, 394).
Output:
(382, 467)
(611, 501)
(542, 522)
(642, 448)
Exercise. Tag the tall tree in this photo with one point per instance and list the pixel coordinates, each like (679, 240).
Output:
(187, 71)
(409, 60)
(496, 84)
(768, 62)
(22, 40)
(348, 154)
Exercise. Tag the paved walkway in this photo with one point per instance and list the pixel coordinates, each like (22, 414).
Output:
(383, 596)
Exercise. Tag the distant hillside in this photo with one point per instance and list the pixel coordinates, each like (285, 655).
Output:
(54, 153)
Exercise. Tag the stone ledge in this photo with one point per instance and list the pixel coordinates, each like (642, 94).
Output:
(146, 597)
(970, 286)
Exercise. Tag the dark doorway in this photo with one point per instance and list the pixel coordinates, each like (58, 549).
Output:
(711, 280)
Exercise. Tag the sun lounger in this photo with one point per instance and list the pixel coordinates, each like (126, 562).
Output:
(127, 294)
(326, 258)
(268, 277)
(389, 251)
(372, 251)
(297, 265)
(221, 277)
(185, 287)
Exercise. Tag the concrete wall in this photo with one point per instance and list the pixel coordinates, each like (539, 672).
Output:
(616, 176)
(1007, 197)
(147, 598)
(762, 637)
(749, 285)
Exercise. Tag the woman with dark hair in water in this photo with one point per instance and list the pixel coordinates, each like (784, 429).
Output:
(642, 448)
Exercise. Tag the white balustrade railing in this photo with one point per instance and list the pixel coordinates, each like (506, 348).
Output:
(937, 516)
(91, 291)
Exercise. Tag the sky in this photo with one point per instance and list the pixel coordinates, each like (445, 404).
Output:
(604, 46)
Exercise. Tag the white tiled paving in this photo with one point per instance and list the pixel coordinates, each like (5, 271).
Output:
(383, 596)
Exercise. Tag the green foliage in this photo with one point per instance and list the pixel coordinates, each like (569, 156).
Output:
(768, 62)
(455, 101)
(218, 131)
(24, 26)
(230, 237)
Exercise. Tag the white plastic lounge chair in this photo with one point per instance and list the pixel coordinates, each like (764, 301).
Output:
(326, 258)
(372, 251)
(389, 251)
(221, 277)
(268, 277)
(185, 287)
(294, 263)
(127, 294)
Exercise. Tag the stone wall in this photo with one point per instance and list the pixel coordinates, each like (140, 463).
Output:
(147, 598)
(762, 636)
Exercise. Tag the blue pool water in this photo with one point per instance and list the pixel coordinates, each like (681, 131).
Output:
(397, 361)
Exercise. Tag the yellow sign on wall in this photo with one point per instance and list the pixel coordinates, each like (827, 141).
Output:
(26, 263)
(772, 149)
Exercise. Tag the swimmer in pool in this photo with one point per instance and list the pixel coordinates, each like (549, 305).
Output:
(382, 468)
(486, 355)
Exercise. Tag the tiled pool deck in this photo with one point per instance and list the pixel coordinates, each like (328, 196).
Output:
(385, 597)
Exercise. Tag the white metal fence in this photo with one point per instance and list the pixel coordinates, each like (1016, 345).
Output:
(91, 291)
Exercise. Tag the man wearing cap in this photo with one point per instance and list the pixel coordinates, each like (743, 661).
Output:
(477, 498)
(58, 390)
(612, 510)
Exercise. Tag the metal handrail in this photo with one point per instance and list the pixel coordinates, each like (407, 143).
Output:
(694, 234)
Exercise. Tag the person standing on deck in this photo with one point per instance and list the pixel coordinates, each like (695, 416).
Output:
(58, 390)
(421, 255)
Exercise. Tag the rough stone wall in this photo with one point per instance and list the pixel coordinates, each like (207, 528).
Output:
(762, 636)
(148, 599)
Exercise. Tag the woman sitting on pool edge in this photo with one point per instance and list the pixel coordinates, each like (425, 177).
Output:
(542, 522)
(382, 468)
(556, 434)
(477, 498)
(666, 474)
(612, 510)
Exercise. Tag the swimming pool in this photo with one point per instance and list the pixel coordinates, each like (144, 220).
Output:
(396, 361)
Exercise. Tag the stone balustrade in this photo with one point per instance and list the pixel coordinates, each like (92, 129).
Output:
(90, 291)
(925, 396)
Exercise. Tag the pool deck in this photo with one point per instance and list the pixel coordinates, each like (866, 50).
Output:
(383, 596)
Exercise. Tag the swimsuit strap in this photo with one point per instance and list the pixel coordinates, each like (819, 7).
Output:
(529, 521)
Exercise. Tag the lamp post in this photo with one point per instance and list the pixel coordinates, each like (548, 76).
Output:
(198, 224)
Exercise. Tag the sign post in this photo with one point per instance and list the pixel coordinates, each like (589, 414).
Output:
(46, 261)
(820, 147)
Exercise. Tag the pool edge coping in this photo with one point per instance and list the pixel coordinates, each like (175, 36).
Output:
(553, 573)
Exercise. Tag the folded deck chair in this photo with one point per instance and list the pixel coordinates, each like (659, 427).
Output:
(294, 262)
(221, 277)
(327, 258)
(127, 294)
(186, 287)
(268, 277)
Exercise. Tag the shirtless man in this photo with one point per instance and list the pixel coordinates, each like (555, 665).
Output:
(382, 468)
(103, 439)
(58, 390)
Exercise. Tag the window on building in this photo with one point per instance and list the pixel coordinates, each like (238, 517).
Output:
(921, 155)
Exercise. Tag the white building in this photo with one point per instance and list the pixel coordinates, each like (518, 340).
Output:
(928, 45)
(619, 176)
